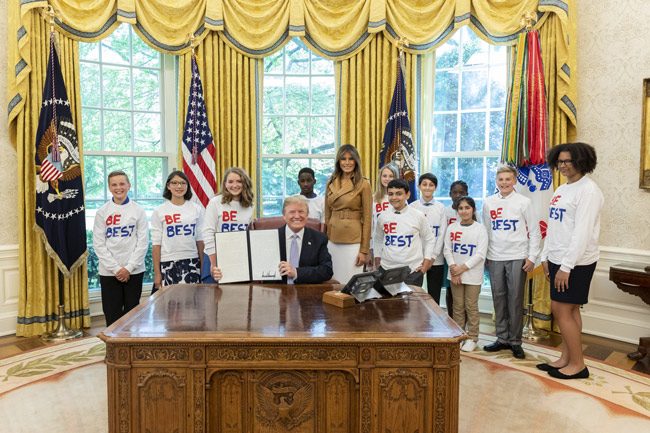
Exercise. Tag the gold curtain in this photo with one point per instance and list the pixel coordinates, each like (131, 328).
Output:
(365, 85)
(559, 70)
(39, 293)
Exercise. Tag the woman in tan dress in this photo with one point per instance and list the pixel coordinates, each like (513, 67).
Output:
(348, 215)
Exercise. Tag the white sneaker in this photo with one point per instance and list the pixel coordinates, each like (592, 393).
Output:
(468, 346)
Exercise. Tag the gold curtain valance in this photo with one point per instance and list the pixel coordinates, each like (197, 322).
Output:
(335, 29)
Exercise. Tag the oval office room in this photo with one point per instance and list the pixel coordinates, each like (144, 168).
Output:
(540, 107)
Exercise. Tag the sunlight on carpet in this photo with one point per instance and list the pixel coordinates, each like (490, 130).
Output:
(62, 389)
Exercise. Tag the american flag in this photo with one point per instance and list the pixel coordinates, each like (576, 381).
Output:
(198, 146)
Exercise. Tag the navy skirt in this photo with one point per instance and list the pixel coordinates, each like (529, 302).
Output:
(579, 282)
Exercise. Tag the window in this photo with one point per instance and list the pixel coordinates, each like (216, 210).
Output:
(468, 117)
(298, 123)
(128, 123)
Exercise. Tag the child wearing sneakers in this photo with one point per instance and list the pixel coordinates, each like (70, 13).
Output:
(466, 245)
(435, 213)
(514, 240)
(402, 235)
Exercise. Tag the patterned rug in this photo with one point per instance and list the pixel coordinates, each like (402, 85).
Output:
(62, 388)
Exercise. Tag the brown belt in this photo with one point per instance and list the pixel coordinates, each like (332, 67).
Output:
(346, 214)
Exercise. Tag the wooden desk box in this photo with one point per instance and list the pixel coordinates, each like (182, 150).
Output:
(263, 358)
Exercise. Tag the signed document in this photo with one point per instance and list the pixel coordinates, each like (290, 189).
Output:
(265, 255)
(232, 256)
(248, 255)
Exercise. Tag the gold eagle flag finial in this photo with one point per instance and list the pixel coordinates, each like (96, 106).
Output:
(528, 20)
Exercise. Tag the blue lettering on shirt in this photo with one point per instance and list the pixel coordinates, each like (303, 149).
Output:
(556, 213)
(463, 249)
(504, 224)
(233, 227)
(120, 231)
(398, 240)
(181, 230)
(435, 230)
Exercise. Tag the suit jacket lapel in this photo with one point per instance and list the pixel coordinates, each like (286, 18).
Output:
(283, 243)
(341, 190)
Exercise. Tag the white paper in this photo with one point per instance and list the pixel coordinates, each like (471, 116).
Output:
(232, 256)
(265, 255)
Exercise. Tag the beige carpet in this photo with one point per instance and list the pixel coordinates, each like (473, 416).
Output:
(63, 389)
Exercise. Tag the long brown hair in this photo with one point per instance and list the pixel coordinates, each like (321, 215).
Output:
(381, 190)
(246, 197)
(338, 172)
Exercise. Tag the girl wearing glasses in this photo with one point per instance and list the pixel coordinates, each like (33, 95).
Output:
(571, 251)
(176, 235)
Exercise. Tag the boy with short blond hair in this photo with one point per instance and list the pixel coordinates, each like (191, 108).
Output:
(514, 241)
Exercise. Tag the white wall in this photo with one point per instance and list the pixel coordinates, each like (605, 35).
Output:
(613, 59)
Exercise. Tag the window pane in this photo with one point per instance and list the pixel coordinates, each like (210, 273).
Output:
(320, 65)
(447, 54)
(297, 140)
(323, 170)
(144, 55)
(498, 87)
(497, 119)
(471, 171)
(491, 184)
(124, 163)
(322, 135)
(91, 130)
(147, 132)
(498, 54)
(89, 51)
(116, 86)
(475, 51)
(296, 58)
(94, 177)
(322, 94)
(273, 176)
(272, 135)
(273, 64)
(146, 89)
(297, 95)
(446, 91)
(474, 92)
(273, 101)
(115, 49)
(444, 170)
(272, 206)
(89, 76)
(117, 131)
(444, 132)
(150, 177)
(291, 177)
(472, 131)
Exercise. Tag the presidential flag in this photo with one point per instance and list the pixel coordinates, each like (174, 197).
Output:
(398, 145)
(198, 146)
(60, 212)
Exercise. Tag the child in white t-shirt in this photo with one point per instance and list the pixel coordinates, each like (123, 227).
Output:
(230, 211)
(176, 235)
(306, 181)
(466, 246)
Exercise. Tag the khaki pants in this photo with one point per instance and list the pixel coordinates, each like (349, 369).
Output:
(465, 298)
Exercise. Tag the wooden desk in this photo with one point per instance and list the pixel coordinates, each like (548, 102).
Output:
(634, 278)
(262, 358)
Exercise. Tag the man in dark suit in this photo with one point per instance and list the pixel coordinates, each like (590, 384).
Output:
(308, 261)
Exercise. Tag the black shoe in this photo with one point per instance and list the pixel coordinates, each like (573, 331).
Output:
(496, 346)
(546, 367)
(582, 374)
(517, 351)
